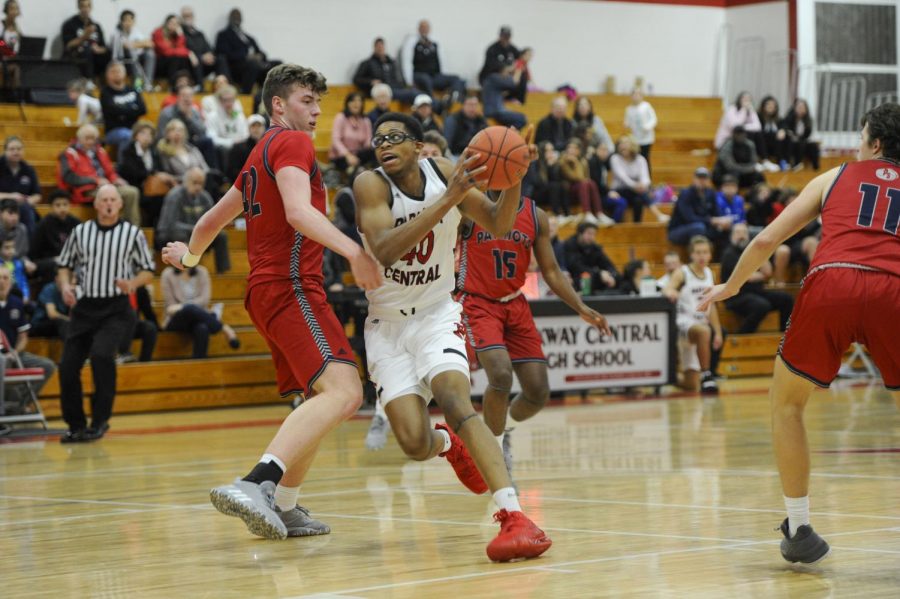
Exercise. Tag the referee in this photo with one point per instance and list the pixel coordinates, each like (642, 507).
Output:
(103, 256)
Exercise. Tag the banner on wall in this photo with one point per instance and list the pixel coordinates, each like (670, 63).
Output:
(640, 351)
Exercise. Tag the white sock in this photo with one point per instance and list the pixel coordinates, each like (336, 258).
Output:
(798, 513)
(286, 497)
(447, 442)
(506, 499)
(268, 457)
(500, 439)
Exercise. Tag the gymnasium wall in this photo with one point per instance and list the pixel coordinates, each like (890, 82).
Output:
(576, 41)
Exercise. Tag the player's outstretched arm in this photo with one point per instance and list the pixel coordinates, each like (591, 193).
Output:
(797, 215)
(557, 281)
(373, 216)
(210, 224)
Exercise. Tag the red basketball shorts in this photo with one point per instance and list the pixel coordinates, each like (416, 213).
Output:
(497, 325)
(301, 329)
(836, 307)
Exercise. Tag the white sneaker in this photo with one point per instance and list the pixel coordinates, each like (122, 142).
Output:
(605, 221)
(217, 309)
(590, 218)
(771, 166)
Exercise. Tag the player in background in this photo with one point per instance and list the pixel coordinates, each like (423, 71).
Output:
(851, 293)
(500, 330)
(699, 330)
(280, 194)
(409, 212)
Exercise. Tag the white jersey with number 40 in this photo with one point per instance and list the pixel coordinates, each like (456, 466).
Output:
(424, 275)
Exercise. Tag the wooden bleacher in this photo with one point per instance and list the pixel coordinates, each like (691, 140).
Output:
(245, 376)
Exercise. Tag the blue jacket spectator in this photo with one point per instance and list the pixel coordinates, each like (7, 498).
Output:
(728, 202)
(694, 210)
(51, 314)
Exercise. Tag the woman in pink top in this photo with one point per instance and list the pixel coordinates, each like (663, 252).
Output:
(741, 113)
(351, 136)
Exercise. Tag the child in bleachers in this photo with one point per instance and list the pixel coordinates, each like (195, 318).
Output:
(17, 266)
(51, 314)
(89, 110)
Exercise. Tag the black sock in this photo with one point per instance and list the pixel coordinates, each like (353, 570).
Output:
(265, 471)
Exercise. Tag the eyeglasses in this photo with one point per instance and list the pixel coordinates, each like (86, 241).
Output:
(393, 138)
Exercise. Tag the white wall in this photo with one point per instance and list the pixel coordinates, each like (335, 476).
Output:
(575, 42)
(759, 43)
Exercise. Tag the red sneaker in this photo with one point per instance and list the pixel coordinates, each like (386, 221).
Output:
(465, 468)
(519, 538)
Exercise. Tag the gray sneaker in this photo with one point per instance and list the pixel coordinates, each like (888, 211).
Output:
(805, 547)
(376, 438)
(254, 504)
(300, 524)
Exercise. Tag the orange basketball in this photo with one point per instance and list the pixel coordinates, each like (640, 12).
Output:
(505, 154)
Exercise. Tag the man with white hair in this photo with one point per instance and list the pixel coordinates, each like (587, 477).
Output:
(382, 94)
(85, 166)
(556, 127)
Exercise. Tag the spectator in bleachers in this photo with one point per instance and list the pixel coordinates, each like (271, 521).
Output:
(246, 61)
(573, 167)
(763, 205)
(738, 157)
(557, 244)
(799, 248)
(89, 108)
(774, 136)
(11, 228)
(177, 155)
(494, 91)
(696, 212)
(51, 314)
(422, 111)
(19, 181)
(12, 37)
(187, 111)
(132, 48)
(381, 68)
(382, 95)
(84, 166)
(141, 165)
(15, 326)
(182, 208)
(631, 178)
(545, 180)
(237, 156)
(83, 41)
(420, 60)
(122, 106)
(351, 136)
(51, 234)
(461, 126)
(171, 49)
(499, 55)
(640, 119)
(632, 274)
(226, 124)
(202, 57)
(585, 255)
(186, 294)
(798, 125)
(729, 202)
(556, 127)
(741, 114)
(146, 329)
(20, 267)
(671, 263)
(583, 114)
(753, 301)
(210, 102)
(520, 66)
(434, 145)
(182, 78)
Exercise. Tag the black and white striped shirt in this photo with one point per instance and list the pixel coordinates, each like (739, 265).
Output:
(100, 255)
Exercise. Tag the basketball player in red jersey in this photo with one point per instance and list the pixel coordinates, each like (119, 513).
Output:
(851, 293)
(500, 329)
(280, 194)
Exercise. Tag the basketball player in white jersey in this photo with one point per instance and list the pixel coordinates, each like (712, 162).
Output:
(408, 211)
(695, 328)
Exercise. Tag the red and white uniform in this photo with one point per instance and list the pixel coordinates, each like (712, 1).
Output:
(491, 274)
(852, 290)
(285, 296)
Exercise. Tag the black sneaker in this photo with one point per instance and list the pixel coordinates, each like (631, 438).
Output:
(73, 436)
(708, 385)
(96, 431)
(805, 547)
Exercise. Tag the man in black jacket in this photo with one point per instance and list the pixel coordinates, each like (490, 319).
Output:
(203, 59)
(499, 55)
(50, 236)
(421, 64)
(122, 106)
(584, 255)
(696, 213)
(460, 127)
(247, 62)
(556, 127)
(381, 68)
(82, 39)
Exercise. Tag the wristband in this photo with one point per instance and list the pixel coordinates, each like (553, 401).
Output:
(189, 260)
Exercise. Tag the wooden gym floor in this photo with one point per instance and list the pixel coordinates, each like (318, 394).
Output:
(662, 498)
